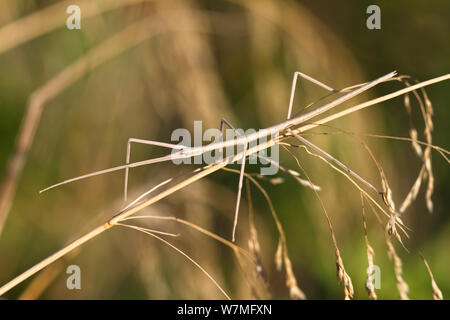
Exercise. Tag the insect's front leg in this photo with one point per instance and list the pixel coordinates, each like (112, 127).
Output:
(142, 141)
(294, 85)
(225, 122)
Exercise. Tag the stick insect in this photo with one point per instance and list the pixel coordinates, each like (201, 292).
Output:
(279, 131)
(291, 127)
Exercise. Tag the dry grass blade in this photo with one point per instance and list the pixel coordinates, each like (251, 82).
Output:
(151, 233)
(42, 281)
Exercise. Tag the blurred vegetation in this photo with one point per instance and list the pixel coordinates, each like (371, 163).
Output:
(207, 60)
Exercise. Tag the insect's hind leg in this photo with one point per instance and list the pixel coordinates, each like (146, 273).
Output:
(238, 201)
(224, 122)
(294, 84)
(148, 142)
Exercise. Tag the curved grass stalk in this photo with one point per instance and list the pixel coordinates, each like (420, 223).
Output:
(412, 194)
(397, 218)
(210, 234)
(342, 275)
(151, 233)
(291, 280)
(51, 18)
(441, 150)
(116, 44)
(238, 251)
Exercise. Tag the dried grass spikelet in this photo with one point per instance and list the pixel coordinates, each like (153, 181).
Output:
(426, 109)
(402, 286)
(437, 293)
(430, 184)
(343, 277)
(370, 270)
(414, 136)
(412, 194)
(282, 258)
(253, 242)
(291, 281)
(279, 256)
(387, 194)
(370, 256)
(412, 131)
(254, 248)
(427, 154)
(394, 219)
(391, 226)
(259, 272)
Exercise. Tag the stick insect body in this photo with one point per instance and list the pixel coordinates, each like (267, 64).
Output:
(242, 140)
(281, 130)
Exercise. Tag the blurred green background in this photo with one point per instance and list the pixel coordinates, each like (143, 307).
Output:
(181, 61)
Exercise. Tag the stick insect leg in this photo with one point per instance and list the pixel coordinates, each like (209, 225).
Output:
(141, 141)
(224, 122)
(294, 85)
(238, 201)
